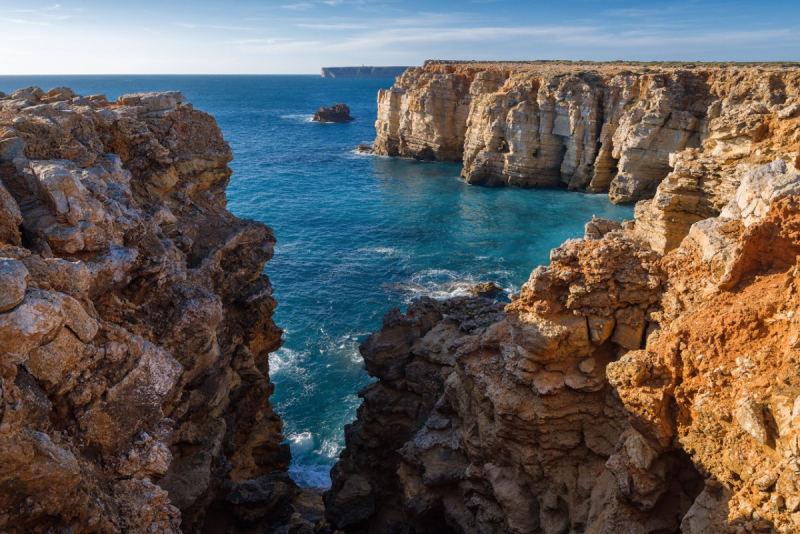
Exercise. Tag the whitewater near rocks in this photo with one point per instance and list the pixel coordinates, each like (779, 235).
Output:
(621, 391)
(645, 381)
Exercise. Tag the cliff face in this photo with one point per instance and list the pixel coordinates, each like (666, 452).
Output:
(621, 391)
(362, 72)
(135, 321)
(606, 129)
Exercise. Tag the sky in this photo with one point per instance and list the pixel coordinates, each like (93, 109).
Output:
(301, 36)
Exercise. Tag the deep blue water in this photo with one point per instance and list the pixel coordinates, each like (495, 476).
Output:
(356, 234)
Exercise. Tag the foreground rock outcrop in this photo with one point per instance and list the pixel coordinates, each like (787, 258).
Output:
(135, 324)
(595, 127)
(622, 391)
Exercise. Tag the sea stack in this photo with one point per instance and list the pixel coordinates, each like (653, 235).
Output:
(336, 113)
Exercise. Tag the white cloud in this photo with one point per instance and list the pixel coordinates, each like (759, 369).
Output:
(23, 21)
(302, 6)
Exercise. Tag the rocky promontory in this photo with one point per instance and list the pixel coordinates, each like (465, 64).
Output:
(646, 381)
(622, 391)
(362, 72)
(598, 127)
(135, 325)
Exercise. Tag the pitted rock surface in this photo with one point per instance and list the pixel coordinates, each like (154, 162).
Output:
(135, 321)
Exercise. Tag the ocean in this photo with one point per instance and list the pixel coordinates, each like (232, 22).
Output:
(357, 234)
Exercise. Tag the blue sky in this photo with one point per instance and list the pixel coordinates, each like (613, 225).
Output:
(300, 36)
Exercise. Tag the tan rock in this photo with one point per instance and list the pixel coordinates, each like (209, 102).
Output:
(750, 417)
(81, 183)
(10, 218)
(600, 328)
(13, 280)
(150, 102)
(552, 337)
(34, 322)
(53, 362)
(762, 186)
(630, 325)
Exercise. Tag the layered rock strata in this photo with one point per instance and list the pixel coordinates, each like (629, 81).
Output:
(593, 127)
(621, 391)
(135, 321)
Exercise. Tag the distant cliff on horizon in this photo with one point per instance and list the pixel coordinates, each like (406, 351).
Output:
(362, 72)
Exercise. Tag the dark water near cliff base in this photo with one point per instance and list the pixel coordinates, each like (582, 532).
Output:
(356, 234)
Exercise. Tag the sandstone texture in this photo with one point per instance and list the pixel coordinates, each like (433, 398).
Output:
(135, 325)
(622, 391)
(683, 135)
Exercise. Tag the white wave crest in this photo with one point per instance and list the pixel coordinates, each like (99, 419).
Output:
(308, 476)
(444, 283)
(303, 117)
(285, 359)
(385, 251)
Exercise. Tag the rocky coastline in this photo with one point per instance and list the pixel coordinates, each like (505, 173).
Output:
(606, 127)
(135, 324)
(645, 381)
(622, 391)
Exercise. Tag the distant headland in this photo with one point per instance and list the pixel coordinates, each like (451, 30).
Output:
(362, 72)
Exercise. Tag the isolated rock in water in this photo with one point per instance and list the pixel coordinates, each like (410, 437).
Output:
(485, 290)
(337, 113)
(364, 149)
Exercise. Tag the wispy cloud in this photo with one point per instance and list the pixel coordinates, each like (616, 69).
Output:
(339, 26)
(23, 21)
(269, 41)
(302, 6)
(215, 26)
(470, 40)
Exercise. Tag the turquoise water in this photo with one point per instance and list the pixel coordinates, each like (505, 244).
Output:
(356, 234)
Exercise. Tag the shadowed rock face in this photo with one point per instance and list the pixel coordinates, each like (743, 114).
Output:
(607, 129)
(621, 391)
(135, 321)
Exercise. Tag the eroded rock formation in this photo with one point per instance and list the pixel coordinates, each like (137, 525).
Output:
(591, 127)
(336, 113)
(622, 391)
(135, 321)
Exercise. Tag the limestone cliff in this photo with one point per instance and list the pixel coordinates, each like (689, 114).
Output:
(622, 391)
(593, 127)
(135, 323)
